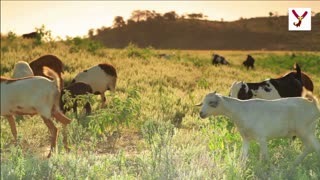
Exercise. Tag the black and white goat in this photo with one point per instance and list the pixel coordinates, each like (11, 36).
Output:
(101, 78)
(76, 89)
(289, 85)
(217, 59)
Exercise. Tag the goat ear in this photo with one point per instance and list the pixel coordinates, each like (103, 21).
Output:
(199, 104)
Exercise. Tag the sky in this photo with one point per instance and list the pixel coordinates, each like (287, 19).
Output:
(75, 18)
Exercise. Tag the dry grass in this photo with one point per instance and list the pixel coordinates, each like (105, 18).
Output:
(168, 90)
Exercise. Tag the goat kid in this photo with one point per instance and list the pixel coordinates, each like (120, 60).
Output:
(260, 120)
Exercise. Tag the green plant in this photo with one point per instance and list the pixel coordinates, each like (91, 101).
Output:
(119, 113)
(77, 44)
(134, 51)
(43, 35)
(11, 36)
(158, 136)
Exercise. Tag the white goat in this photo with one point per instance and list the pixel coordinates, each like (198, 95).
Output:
(101, 78)
(22, 69)
(260, 120)
(33, 95)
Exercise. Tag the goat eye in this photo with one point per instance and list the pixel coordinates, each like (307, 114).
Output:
(213, 103)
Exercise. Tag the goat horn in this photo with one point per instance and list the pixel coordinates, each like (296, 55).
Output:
(199, 104)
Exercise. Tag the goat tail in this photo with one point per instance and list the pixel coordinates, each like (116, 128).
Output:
(298, 69)
(308, 95)
(51, 73)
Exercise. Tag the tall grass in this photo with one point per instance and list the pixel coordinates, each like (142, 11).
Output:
(150, 129)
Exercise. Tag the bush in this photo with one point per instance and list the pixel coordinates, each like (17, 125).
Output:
(77, 44)
(119, 113)
(133, 51)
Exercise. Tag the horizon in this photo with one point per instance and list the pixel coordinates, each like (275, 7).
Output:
(76, 18)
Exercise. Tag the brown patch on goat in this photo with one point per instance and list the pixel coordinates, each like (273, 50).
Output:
(108, 69)
(306, 80)
(11, 80)
(53, 75)
(301, 76)
(51, 61)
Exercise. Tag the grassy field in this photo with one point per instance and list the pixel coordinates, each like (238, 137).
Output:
(151, 128)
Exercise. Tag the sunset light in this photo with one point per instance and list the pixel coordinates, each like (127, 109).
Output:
(75, 18)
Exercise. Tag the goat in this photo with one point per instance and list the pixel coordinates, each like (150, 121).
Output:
(34, 95)
(217, 59)
(165, 56)
(289, 85)
(51, 61)
(75, 89)
(249, 62)
(260, 120)
(32, 35)
(101, 78)
(22, 69)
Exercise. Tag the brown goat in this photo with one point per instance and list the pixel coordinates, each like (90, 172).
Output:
(31, 35)
(51, 61)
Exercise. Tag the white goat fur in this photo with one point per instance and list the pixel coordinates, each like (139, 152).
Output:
(260, 120)
(22, 69)
(259, 93)
(98, 80)
(33, 95)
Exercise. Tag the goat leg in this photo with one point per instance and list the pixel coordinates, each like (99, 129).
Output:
(264, 149)
(65, 138)
(13, 127)
(54, 134)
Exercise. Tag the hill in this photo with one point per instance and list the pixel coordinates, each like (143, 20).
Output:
(267, 33)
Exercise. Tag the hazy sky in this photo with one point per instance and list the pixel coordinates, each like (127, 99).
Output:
(74, 18)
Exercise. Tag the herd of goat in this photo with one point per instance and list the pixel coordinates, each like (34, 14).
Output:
(279, 107)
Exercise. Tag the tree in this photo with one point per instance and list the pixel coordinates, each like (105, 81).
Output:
(196, 16)
(118, 22)
(136, 15)
(171, 16)
(91, 33)
(270, 14)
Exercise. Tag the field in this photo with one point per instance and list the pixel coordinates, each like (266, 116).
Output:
(151, 128)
